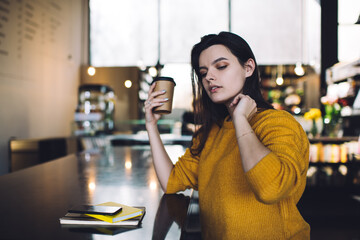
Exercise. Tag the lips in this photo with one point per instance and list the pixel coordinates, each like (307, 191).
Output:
(214, 88)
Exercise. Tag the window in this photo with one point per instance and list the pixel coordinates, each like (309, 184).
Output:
(129, 33)
(348, 32)
(122, 33)
(125, 33)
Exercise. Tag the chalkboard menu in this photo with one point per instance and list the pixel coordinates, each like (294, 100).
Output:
(32, 31)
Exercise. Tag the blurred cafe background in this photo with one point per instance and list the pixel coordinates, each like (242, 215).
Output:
(74, 74)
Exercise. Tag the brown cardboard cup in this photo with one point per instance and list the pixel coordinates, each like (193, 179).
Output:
(167, 84)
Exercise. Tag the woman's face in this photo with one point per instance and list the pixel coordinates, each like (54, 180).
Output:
(223, 77)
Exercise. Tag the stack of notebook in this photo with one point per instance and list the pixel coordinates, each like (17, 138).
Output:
(126, 217)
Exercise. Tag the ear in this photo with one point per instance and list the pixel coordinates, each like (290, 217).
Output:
(249, 67)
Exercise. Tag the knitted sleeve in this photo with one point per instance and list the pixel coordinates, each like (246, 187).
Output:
(184, 175)
(282, 172)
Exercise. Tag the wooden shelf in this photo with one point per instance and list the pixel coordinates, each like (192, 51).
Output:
(333, 164)
(326, 140)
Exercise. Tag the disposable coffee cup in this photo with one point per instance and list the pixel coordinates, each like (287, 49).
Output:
(167, 84)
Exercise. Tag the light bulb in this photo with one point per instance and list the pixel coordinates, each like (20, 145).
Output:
(128, 165)
(128, 83)
(153, 71)
(279, 81)
(91, 71)
(92, 186)
(299, 70)
(297, 110)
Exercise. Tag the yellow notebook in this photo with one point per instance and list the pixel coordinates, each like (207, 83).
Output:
(127, 212)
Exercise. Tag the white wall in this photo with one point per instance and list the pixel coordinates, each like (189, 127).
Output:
(281, 31)
(41, 50)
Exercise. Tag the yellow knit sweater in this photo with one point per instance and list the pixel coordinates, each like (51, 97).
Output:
(259, 204)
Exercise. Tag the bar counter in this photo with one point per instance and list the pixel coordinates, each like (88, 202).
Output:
(33, 199)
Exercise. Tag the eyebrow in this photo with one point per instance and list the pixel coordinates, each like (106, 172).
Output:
(215, 61)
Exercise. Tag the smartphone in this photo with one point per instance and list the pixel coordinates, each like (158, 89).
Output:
(94, 209)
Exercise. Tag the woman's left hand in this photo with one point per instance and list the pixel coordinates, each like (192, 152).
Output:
(242, 105)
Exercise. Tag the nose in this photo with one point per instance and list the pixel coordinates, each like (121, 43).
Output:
(210, 76)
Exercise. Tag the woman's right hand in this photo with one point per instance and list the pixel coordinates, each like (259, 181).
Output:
(152, 102)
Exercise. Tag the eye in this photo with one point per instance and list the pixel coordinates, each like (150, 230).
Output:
(222, 67)
(203, 74)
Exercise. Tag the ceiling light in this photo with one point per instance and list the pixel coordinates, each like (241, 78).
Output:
(91, 71)
(279, 81)
(128, 83)
(299, 70)
(153, 71)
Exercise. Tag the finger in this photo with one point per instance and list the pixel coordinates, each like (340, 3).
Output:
(251, 101)
(157, 101)
(157, 93)
(241, 96)
(147, 103)
(234, 102)
(152, 94)
(236, 99)
(150, 104)
(248, 98)
(152, 87)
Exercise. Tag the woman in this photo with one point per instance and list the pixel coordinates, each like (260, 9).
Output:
(247, 160)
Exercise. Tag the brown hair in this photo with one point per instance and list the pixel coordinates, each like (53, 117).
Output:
(206, 112)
